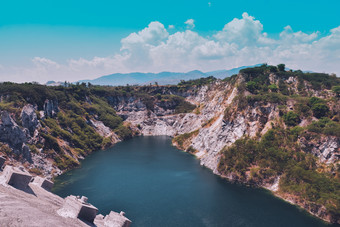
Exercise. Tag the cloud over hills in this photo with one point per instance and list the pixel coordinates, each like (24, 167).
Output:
(155, 48)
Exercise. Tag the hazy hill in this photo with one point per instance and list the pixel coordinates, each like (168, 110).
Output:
(162, 78)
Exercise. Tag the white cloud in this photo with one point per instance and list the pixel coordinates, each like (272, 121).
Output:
(171, 26)
(44, 62)
(297, 37)
(154, 34)
(240, 42)
(190, 23)
(244, 32)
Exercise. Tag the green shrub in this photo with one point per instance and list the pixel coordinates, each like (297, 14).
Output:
(191, 150)
(65, 162)
(123, 132)
(251, 86)
(325, 126)
(106, 142)
(180, 139)
(320, 110)
(291, 118)
(242, 102)
(273, 87)
(296, 132)
(238, 157)
(283, 87)
(80, 151)
(5, 149)
(184, 107)
(320, 80)
(281, 67)
(314, 100)
(35, 171)
(318, 106)
(273, 69)
(303, 109)
(336, 90)
(267, 98)
(51, 143)
(111, 121)
(254, 71)
(33, 149)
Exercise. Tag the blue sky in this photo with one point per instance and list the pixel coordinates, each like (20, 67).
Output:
(71, 40)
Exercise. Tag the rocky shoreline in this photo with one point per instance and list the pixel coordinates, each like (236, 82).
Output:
(313, 209)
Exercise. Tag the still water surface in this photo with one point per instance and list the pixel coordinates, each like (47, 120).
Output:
(158, 185)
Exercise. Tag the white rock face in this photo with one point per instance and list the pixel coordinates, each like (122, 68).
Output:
(211, 138)
(29, 118)
(14, 135)
(214, 131)
(326, 148)
(168, 125)
(103, 130)
(50, 108)
(273, 187)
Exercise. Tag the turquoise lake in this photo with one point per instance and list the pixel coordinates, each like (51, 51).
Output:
(156, 184)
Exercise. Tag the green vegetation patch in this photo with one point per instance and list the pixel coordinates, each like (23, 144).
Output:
(123, 132)
(257, 80)
(319, 107)
(198, 82)
(278, 154)
(325, 126)
(181, 139)
(178, 103)
(291, 118)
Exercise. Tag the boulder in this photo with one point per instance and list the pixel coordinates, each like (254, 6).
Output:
(26, 153)
(16, 177)
(78, 207)
(29, 118)
(14, 136)
(10, 132)
(50, 108)
(115, 219)
(44, 183)
(2, 161)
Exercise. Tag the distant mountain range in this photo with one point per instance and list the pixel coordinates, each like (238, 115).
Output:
(162, 78)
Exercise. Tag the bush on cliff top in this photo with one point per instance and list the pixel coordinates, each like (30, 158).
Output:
(181, 139)
(198, 82)
(325, 126)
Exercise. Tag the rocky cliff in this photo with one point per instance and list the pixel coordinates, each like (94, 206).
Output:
(262, 127)
(227, 111)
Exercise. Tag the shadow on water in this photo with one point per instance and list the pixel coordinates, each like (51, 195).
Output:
(157, 185)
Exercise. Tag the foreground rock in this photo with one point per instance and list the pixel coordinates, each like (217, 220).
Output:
(25, 203)
(36, 209)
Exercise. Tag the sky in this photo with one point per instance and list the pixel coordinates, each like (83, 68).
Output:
(73, 40)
